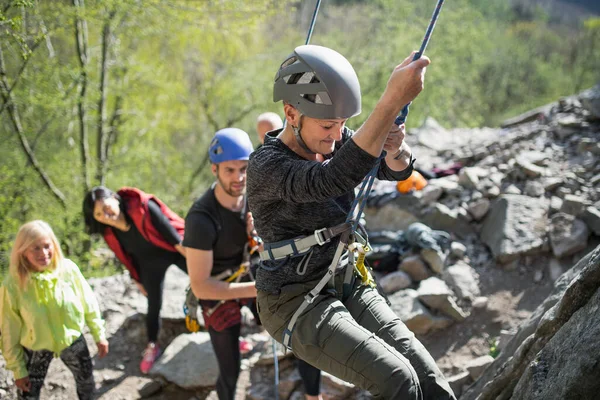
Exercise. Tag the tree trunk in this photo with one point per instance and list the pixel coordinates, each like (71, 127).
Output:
(102, 135)
(81, 39)
(16, 123)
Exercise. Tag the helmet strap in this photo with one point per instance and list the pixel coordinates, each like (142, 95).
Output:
(296, 130)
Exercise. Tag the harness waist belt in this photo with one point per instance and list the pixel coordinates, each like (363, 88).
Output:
(296, 247)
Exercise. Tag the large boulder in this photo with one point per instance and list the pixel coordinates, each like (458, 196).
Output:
(515, 226)
(554, 354)
(189, 362)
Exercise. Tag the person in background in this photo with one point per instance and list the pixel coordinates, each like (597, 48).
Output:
(267, 122)
(44, 304)
(145, 235)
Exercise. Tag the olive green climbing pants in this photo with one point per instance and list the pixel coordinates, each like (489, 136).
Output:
(360, 340)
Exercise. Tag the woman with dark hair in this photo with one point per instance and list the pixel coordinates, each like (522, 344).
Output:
(145, 235)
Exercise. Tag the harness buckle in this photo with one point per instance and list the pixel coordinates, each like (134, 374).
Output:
(321, 241)
(310, 297)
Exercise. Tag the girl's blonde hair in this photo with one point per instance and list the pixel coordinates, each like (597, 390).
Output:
(27, 235)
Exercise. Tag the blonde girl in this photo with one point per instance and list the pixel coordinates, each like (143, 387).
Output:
(44, 304)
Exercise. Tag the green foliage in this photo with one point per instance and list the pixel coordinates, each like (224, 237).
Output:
(494, 351)
(177, 71)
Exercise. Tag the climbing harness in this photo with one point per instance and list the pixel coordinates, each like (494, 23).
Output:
(191, 304)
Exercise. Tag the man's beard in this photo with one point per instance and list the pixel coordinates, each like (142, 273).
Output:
(230, 191)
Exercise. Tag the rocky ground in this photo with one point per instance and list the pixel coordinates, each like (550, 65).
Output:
(522, 211)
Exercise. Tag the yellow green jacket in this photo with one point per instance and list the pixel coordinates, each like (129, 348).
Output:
(49, 314)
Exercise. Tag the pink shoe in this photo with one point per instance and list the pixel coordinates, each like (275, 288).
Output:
(245, 347)
(151, 353)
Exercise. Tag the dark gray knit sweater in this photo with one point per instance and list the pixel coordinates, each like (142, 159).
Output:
(290, 196)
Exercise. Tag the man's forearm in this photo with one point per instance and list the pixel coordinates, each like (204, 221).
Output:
(213, 289)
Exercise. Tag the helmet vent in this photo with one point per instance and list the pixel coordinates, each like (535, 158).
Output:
(288, 62)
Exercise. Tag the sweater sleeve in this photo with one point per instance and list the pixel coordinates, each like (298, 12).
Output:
(288, 177)
(93, 317)
(11, 325)
(162, 224)
(385, 173)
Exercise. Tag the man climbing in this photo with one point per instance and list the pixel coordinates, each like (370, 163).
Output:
(300, 190)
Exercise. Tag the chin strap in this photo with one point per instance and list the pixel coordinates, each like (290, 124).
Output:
(299, 140)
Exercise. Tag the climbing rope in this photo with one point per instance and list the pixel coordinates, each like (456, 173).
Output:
(312, 22)
(365, 189)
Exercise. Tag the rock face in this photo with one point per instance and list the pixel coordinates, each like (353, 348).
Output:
(516, 226)
(554, 355)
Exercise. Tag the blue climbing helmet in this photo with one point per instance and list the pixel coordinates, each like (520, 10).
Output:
(230, 144)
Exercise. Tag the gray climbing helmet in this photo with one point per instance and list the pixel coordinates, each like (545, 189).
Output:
(319, 82)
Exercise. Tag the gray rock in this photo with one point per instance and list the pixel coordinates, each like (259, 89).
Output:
(468, 177)
(479, 208)
(515, 226)
(457, 249)
(395, 215)
(434, 293)
(555, 204)
(569, 121)
(573, 205)
(395, 281)
(457, 382)
(445, 219)
(555, 269)
(434, 258)
(478, 365)
(590, 99)
(336, 388)
(568, 235)
(463, 281)
(480, 302)
(505, 337)
(449, 184)
(569, 364)
(150, 389)
(512, 189)
(416, 317)
(492, 192)
(431, 193)
(591, 216)
(416, 268)
(573, 351)
(189, 362)
(534, 189)
(528, 166)
(551, 184)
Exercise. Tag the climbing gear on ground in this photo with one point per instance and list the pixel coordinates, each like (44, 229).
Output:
(415, 181)
(230, 144)
(422, 236)
(319, 82)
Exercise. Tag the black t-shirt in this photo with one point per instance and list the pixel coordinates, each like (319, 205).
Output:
(210, 226)
(144, 253)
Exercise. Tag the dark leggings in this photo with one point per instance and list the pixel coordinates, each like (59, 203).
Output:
(153, 277)
(227, 350)
(76, 357)
(311, 377)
